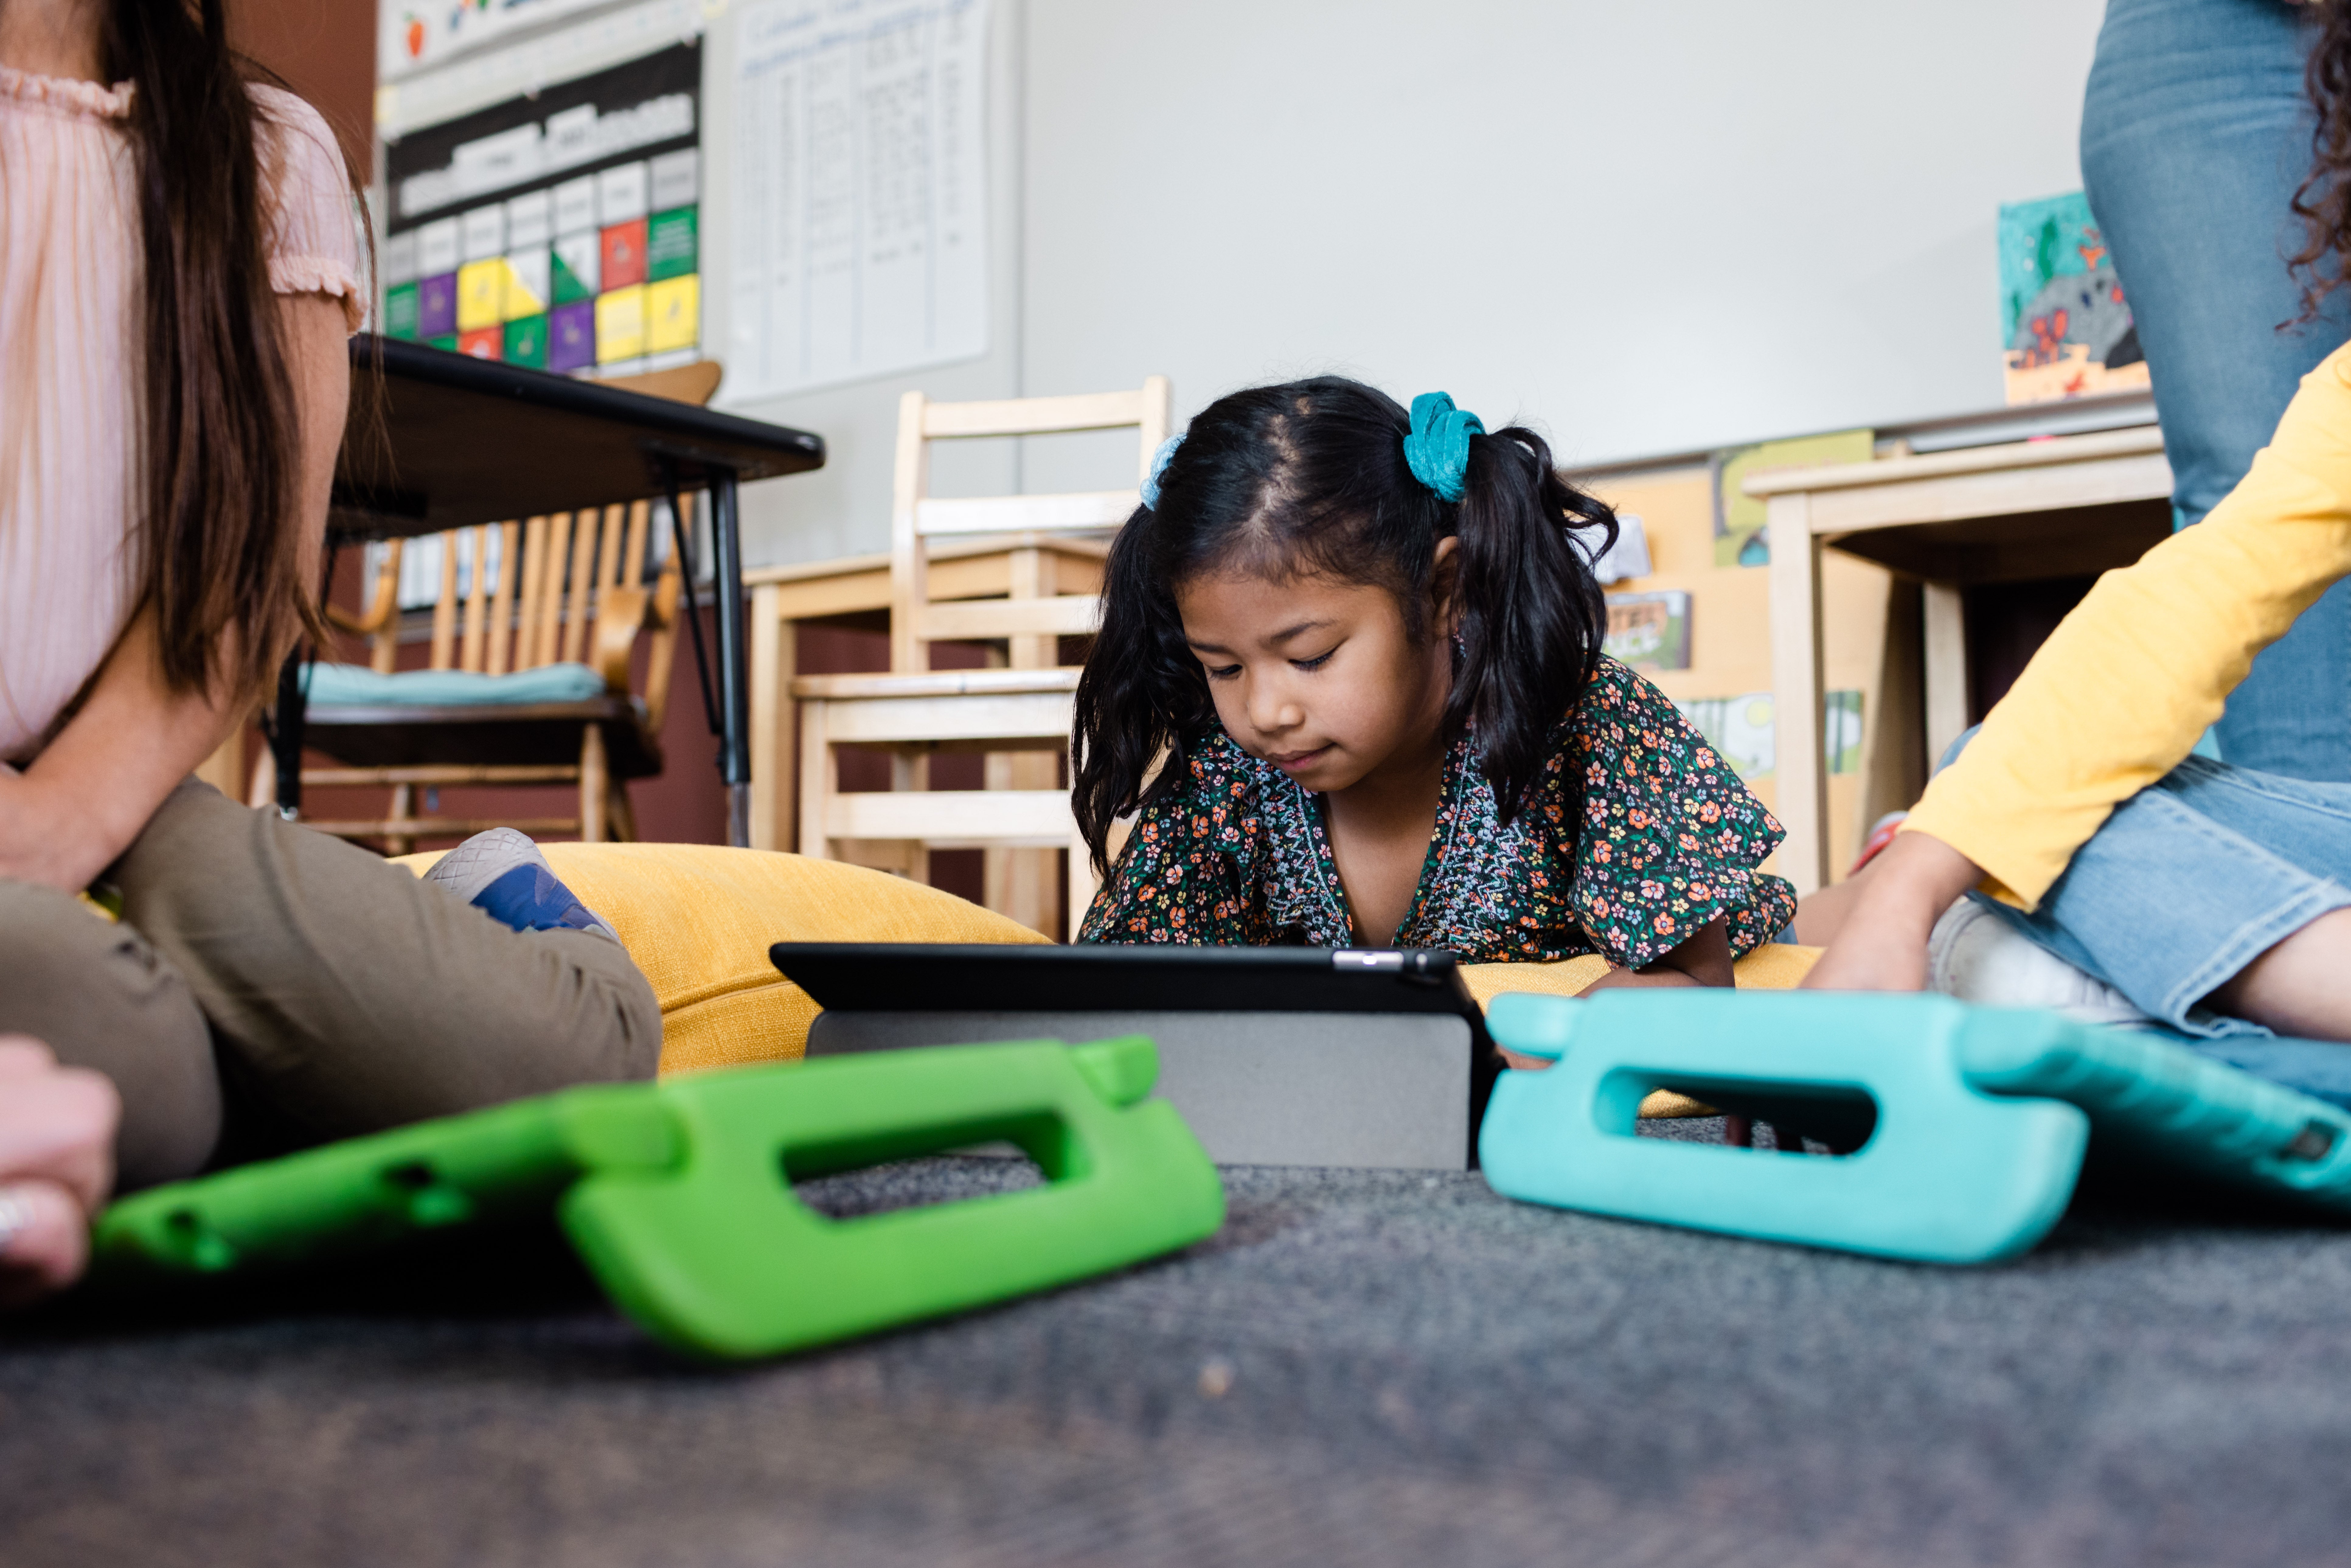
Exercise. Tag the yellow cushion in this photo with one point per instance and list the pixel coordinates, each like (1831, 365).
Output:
(698, 919)
(1773, 967)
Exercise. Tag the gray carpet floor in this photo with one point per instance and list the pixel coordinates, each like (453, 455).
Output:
(1362, 1367)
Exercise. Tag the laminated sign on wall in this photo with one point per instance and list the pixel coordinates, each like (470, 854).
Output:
(860, 214)
(415, 34)
(559, 230)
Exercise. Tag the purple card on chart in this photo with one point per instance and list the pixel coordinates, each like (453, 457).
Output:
(436, 306)
(572, 336)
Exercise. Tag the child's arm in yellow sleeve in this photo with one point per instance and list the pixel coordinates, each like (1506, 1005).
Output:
(2124, 687)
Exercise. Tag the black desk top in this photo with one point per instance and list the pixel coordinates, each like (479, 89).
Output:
(464, 440)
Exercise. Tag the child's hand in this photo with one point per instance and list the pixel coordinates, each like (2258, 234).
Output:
(1703, 960)
(56, 1162)
(1882, 944)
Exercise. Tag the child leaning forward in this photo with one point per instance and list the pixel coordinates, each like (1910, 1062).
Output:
(1349, 684)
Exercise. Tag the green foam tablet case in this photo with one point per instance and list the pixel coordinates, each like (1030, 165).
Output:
(1967, 1126)
(679, 1196)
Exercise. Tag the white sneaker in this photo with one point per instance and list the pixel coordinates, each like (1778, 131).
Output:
(481, 872)
(1976, 957)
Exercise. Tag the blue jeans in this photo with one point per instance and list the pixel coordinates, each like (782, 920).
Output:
(2193, 878)
(2190, 880)
(2195, 133)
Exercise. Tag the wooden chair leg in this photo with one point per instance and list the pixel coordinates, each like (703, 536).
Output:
(817, 780)
(912, 771)
(263, 790)
(624, 812)
(594, 781)
(404, 810)
(771, 725)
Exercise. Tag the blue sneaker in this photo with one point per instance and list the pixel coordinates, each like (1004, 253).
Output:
(502, 873)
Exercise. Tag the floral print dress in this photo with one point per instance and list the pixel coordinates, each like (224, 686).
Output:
(1667, 839)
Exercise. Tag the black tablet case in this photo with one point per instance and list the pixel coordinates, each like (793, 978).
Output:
(1275, 1055)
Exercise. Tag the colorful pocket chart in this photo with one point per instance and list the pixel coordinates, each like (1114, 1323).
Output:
(559, 229)
(607, 294)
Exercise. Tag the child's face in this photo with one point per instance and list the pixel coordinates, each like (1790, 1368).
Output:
(1318, 677)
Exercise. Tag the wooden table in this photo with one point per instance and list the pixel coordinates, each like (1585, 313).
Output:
(2055, 507)
(855, 589)
(457, 441)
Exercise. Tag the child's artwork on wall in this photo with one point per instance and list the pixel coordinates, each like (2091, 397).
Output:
(1627, 558)
(559, 229)
(2066, 329)
(1741, 728)
(1650, 630)
(1739, 518)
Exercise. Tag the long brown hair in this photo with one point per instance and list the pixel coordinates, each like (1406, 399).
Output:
(221, 441)
(2323, 202)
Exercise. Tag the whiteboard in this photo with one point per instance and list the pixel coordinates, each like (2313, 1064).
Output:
(859, 184)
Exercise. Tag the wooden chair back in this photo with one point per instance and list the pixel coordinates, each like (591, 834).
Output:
(566, 588)
(1036, 612)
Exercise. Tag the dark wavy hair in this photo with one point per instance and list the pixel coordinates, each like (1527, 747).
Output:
(1309, 477)
(2323, 202)
(219, 441)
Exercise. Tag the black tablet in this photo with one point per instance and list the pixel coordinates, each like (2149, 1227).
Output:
(1275, 1055)
(915, 976)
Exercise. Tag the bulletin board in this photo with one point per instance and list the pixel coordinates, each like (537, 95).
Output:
(559, 229)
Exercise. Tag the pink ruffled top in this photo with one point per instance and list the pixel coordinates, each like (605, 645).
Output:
(71, 328)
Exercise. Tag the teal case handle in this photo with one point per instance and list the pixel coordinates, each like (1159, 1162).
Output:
(1949, 1173)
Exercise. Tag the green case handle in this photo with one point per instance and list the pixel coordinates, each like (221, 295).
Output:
(678, 1195)
(712, 1253)
(1948, 1172)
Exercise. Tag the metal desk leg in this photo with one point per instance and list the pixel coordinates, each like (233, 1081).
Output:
(285, 725)
(734, 687)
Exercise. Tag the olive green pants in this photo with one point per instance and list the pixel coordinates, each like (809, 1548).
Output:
(269, 987)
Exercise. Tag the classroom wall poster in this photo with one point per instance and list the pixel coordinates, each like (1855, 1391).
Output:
(561, 230)
(860, 190)
(1742, 729)
(1649, 631)
(414, 35)
(1740, 518)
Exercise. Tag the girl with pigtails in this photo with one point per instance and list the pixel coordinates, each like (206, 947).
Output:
(1349, 688)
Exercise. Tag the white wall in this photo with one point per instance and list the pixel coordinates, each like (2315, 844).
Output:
(1647, 227)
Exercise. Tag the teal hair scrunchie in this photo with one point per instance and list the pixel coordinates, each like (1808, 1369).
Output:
(1438, 447)
(1159, 461)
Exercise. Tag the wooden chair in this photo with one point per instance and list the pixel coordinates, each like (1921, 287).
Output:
(579, 596)
(523, 622)
(1019, 715)
(852, 592)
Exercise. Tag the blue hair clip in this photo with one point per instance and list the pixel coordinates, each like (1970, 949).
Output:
(1159, 461)
(1438, 447)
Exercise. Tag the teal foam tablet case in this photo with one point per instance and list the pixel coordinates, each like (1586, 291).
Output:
(1966, 1127)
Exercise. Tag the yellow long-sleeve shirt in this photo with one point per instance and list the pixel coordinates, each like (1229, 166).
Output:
(2123, 688)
